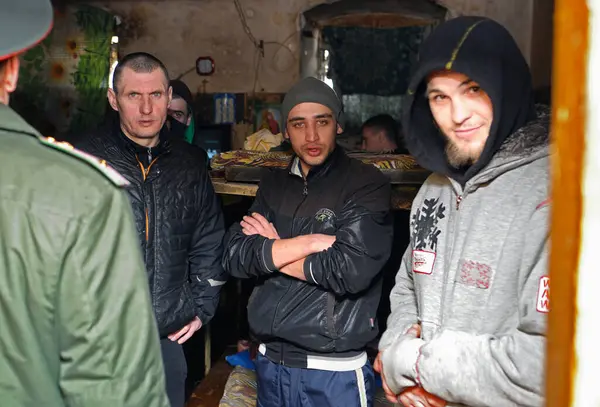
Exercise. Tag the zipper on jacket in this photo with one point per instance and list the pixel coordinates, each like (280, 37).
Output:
(455, 227)
(449, 265)
(145, 172)
(304, 195)
(147, 226)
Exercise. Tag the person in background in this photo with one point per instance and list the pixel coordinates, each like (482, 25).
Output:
(180, 109)
(470, 304)
(181, 115)
(179, 219)
(381, 134)
(75, 313)
(316, 238)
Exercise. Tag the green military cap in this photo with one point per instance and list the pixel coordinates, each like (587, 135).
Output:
(23, 24)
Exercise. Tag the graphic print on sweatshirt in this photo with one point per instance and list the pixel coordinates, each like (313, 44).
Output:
(425, 234)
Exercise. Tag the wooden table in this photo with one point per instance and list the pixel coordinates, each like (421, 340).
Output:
(234, 188)
(402, 196)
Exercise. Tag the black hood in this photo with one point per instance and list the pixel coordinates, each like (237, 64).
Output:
(484, 51)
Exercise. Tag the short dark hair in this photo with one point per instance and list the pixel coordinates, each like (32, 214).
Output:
(385, 123)
(181, 91)
(3, 63)
(140, 62)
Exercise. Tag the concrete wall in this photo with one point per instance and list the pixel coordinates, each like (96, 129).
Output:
(542, 31)
(179, 31)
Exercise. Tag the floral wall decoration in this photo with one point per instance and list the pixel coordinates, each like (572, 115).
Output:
(63, 80)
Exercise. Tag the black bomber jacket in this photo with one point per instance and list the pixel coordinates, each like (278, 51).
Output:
(334, 310)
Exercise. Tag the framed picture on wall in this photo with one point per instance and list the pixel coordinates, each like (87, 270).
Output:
(266, 111)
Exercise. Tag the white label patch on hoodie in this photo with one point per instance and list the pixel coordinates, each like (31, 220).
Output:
(422, 261)
(543, 295)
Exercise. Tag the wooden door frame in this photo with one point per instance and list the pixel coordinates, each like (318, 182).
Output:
(569, 84)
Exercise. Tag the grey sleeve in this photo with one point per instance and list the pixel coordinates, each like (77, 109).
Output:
(508, 369)
(403, 303)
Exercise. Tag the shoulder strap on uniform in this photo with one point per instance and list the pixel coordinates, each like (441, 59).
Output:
(95, 162)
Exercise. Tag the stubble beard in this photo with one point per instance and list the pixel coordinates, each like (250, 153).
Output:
(460, 158)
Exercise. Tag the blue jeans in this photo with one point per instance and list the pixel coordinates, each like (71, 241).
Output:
(281, 386)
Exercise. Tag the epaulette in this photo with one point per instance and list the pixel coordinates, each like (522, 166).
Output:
(95, 162)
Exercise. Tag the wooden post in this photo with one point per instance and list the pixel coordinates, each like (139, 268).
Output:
(207, 350)
(568, 130)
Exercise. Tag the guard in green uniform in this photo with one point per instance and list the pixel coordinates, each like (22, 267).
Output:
(76, 325)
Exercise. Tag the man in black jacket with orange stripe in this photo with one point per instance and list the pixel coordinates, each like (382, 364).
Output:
(316, 239)
(178, 217)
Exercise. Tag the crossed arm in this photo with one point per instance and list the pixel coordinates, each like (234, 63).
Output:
(343, 264)
(288, 254)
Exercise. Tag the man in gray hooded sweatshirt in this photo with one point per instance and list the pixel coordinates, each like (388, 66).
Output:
(470, 303)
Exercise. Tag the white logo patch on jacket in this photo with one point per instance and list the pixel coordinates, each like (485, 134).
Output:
(422, 261)
(543, 295)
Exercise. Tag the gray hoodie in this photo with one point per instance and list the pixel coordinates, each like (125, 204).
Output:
(475, 272)
(475, 277)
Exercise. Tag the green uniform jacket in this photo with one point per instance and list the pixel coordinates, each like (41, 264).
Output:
(76, 325)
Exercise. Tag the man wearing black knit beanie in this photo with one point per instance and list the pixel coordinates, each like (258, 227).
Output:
(316, 239)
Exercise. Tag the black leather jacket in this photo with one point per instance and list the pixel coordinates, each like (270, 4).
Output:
(178, 218)
(334, 311)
